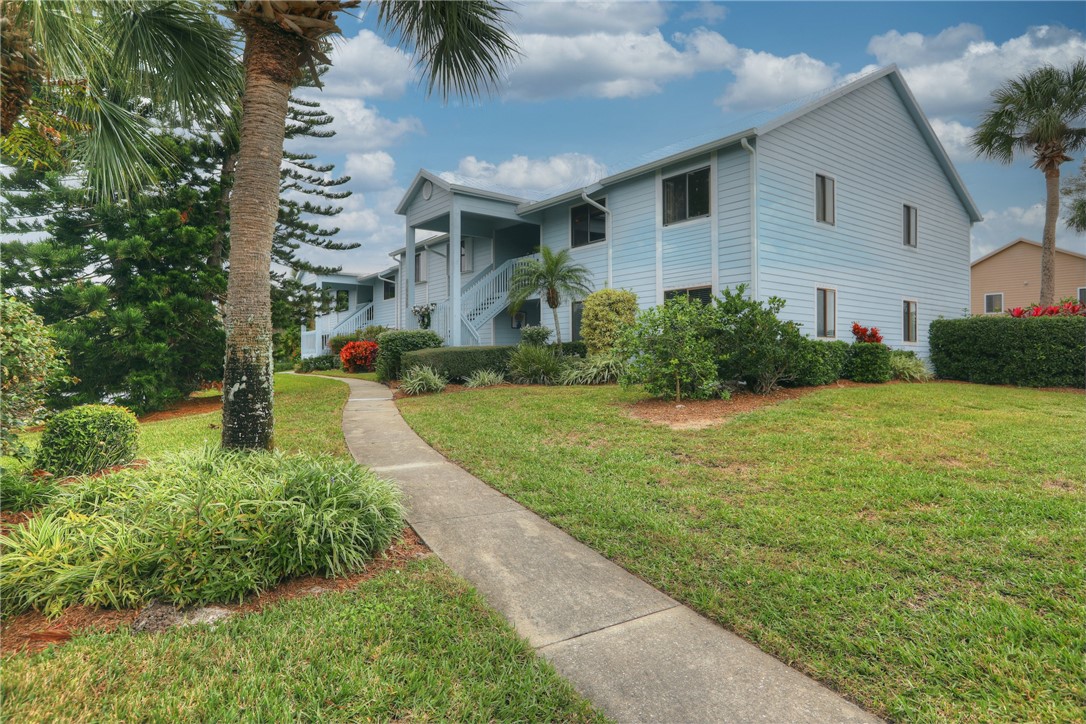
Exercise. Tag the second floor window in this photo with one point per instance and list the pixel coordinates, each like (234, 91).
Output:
(686, 196)
(825, 200)
(587, 224)
(908, 225)
(420, 267)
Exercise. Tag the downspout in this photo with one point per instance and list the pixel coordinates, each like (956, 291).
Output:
(753, 216)
(607, 212)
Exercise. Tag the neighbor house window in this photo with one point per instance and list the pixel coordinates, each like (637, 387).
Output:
(825, 200)
(343, 300)
(993, 303)
(420, 267)
(701, 294)
(826, 314)
(908, 320)
(908, 225)
(578, 311)
(1082, 295)
(390, 290)
(587, 224)
(467, 246)
(686, 196)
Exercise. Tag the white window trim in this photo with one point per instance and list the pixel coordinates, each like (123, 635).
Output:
(602, 200)
(683, 171)
(833, 289)
(992, 294)
(814, 201)
(467, 246)
(1078, 293)
(916, 231)
(420, 278)
(917, 303)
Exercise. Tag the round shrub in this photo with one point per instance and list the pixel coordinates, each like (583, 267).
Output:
(819, 363)
(535, 336)
(670, 348)
(869, 362)
(392, 345)
(197, 528)
(29, 361)
(358, 356)
(88, 438)
(606, 313)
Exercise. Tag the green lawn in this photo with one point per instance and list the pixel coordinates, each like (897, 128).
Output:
(919, 548)
(412, 643)
(370, 376)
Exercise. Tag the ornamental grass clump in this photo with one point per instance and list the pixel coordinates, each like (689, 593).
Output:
(420, 380)
(196, 528)
(531, 364)
(485, 378)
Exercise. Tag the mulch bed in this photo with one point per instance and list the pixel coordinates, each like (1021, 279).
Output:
(31, 631)
(189, 406)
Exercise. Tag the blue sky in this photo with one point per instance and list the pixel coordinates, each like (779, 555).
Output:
(599, 84)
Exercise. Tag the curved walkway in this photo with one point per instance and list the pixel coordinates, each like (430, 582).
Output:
(631, 650)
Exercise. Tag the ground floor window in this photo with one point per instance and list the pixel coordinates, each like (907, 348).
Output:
(578, 310)
(1082, 295)
(701, 294)
(993, 303)
(826, 312)
(908, 318)
(390, 290)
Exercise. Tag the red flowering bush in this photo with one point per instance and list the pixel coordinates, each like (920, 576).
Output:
(1066, 308)
(863, 334)
(358, 356)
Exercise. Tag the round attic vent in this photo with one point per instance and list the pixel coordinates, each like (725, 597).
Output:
(427, 190)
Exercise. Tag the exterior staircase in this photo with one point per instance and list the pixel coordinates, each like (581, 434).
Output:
(481, 299)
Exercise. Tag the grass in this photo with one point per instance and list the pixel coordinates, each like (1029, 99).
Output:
(919, 548)
(408, 645)
(414, 643)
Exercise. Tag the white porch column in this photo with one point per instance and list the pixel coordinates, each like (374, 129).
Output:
(408, 279)
(454, 272)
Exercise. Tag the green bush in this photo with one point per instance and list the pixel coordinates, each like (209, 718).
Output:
(318, 364)
(420, 380)
(286, 365)
(574, 349)
(906, 366)
(1004, 350)
(752, 343)
(534, 365)
(671, 351)
(596, 369)
(458, 363)
(869, 362)
(369, 334)
(392, 346)
(88, 438)
(818, 363)
(485, 378)
(606, 313)
(373, 331)
(536, 336)
(29, 363)
(198, 528)
(21, 491)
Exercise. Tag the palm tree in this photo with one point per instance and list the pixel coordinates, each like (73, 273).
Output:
(79, 77)
(460, 47)
(553, 277)
(1042, 112)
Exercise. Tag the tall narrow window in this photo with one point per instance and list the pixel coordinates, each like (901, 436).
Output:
(390, 290)
(420, 267)
(909, 217)
(467, 248)
(587, 224)
(993, 303)
(908, 321)
(686, 196)
(826, 314)
(577, 313)
(825, 200)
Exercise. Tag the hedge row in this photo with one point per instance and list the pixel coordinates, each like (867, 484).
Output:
(998, 350)
(459, 363)
(391, 346)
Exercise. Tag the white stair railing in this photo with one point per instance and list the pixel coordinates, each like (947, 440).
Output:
(485, 297)
(359, 319)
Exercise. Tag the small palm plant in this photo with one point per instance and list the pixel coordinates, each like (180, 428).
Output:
(554, 277)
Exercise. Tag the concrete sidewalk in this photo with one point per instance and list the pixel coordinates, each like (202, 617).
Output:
(634, 652)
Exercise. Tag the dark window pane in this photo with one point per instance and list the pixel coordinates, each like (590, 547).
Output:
(578, 309)
(343, 300)
(390, 290)
(674, 199)
(597, 225)
(993, 303)
(698, 193)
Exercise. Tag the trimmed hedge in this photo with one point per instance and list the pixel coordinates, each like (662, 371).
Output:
(458, 363)
(393, 345)
(88, 438)
(575, 349)
(869, 362)
(819, 363)
(998, 350)
(319, 363)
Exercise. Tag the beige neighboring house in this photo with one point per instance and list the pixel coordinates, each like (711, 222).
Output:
(1010, 277)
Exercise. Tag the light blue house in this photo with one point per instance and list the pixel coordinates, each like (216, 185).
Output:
(845, 205)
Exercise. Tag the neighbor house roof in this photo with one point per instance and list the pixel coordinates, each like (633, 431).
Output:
(1022, 240)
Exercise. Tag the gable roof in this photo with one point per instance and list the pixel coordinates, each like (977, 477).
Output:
(1031, 242)
(423, 176)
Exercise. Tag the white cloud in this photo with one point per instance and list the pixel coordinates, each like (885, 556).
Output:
(1005, 225)
(625, 65)
(583, 18)
(359, 128)
(521, 175)
(365, 67)
(764, 80)
(370, 171)
(955, 138)
(954, 72)
(706, 12)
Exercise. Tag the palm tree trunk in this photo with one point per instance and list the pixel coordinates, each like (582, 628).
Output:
(1048, 241)
(271, 62)
(557, 327)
